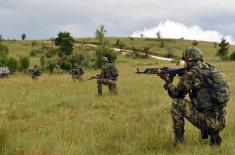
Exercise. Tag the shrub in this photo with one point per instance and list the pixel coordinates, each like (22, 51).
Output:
(65, 65)
(13, 64)
(107, 52)
(232, 56)
(24, 63)
(51, 65)
(51, 52)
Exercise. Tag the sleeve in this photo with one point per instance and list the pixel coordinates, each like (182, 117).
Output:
(184, 86)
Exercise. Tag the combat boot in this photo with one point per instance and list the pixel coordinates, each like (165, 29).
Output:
(215, 139)
(179, 136)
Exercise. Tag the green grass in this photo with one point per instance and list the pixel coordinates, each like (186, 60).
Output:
(55, 115)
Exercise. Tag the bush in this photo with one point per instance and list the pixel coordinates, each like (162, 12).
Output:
(82, 58)
(51, 65)
(3, 60)
(24, 63)
(195, 43)
(13, 64)
(65, 65)
(3, 50)
(232, 56)
(223, 49)
(52, 52)
(107, 52)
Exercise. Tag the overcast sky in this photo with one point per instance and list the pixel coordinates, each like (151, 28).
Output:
(42, 19)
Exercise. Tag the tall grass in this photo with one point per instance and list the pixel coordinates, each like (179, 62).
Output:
(55, 115)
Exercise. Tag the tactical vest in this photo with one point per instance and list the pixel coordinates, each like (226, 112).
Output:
(110, 72)
(213, 91)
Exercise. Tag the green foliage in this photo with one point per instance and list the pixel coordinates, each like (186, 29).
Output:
(223, 50)
(51, 65)
(232, 56)
(81, 58)
(42, 61)
(24, 63)
(3, 50)
(99, 34)
(3, 60)
(23, 36)
(0, 38)
(3, 55)
(135, 53)
(53, 52)
(195, 43)
(13, 64)
(119, 44)
(107, 52)
(65, 42)
(65, 65)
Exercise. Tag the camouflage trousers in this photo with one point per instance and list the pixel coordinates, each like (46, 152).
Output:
(112, 85)
(77, 77)
(182, 108)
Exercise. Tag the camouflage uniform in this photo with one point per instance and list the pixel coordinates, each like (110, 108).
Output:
(108, 76)
(77, 72)
(36, 72)
(205, 117)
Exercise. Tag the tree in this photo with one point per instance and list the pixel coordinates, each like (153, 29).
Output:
(0, 38)
(23, 36)
(223, 49)
(65, 42)
(159, 35)
(99, 34)
(24, 63)
(13, 64)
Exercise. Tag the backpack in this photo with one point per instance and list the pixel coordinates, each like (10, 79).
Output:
(215, 84)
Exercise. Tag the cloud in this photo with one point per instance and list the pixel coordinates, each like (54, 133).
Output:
(176, 30)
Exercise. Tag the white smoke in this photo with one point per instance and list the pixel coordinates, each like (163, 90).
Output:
(176, 30)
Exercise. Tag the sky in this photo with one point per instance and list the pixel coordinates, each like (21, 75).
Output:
(43, 19)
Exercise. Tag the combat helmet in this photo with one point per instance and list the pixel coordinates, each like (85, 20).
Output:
(192, 53)
(104, 59)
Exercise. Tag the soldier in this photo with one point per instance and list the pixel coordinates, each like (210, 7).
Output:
(206, 108)
(108, 76)
(77, 72)
(36, 72)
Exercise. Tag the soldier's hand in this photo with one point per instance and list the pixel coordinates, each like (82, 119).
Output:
(162, 75)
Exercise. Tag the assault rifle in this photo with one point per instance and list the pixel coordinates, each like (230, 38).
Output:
(94, 77)
(164, 70)
(171, 72)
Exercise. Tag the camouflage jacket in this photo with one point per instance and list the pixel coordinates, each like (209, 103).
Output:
(109, 71)
(77, 71)
(191, 83)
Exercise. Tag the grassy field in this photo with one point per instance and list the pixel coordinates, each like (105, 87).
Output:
(55, 115)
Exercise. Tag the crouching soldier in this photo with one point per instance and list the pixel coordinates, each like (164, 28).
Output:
(208, 92)
(77, 72)
(36, 72)
(108, 76)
